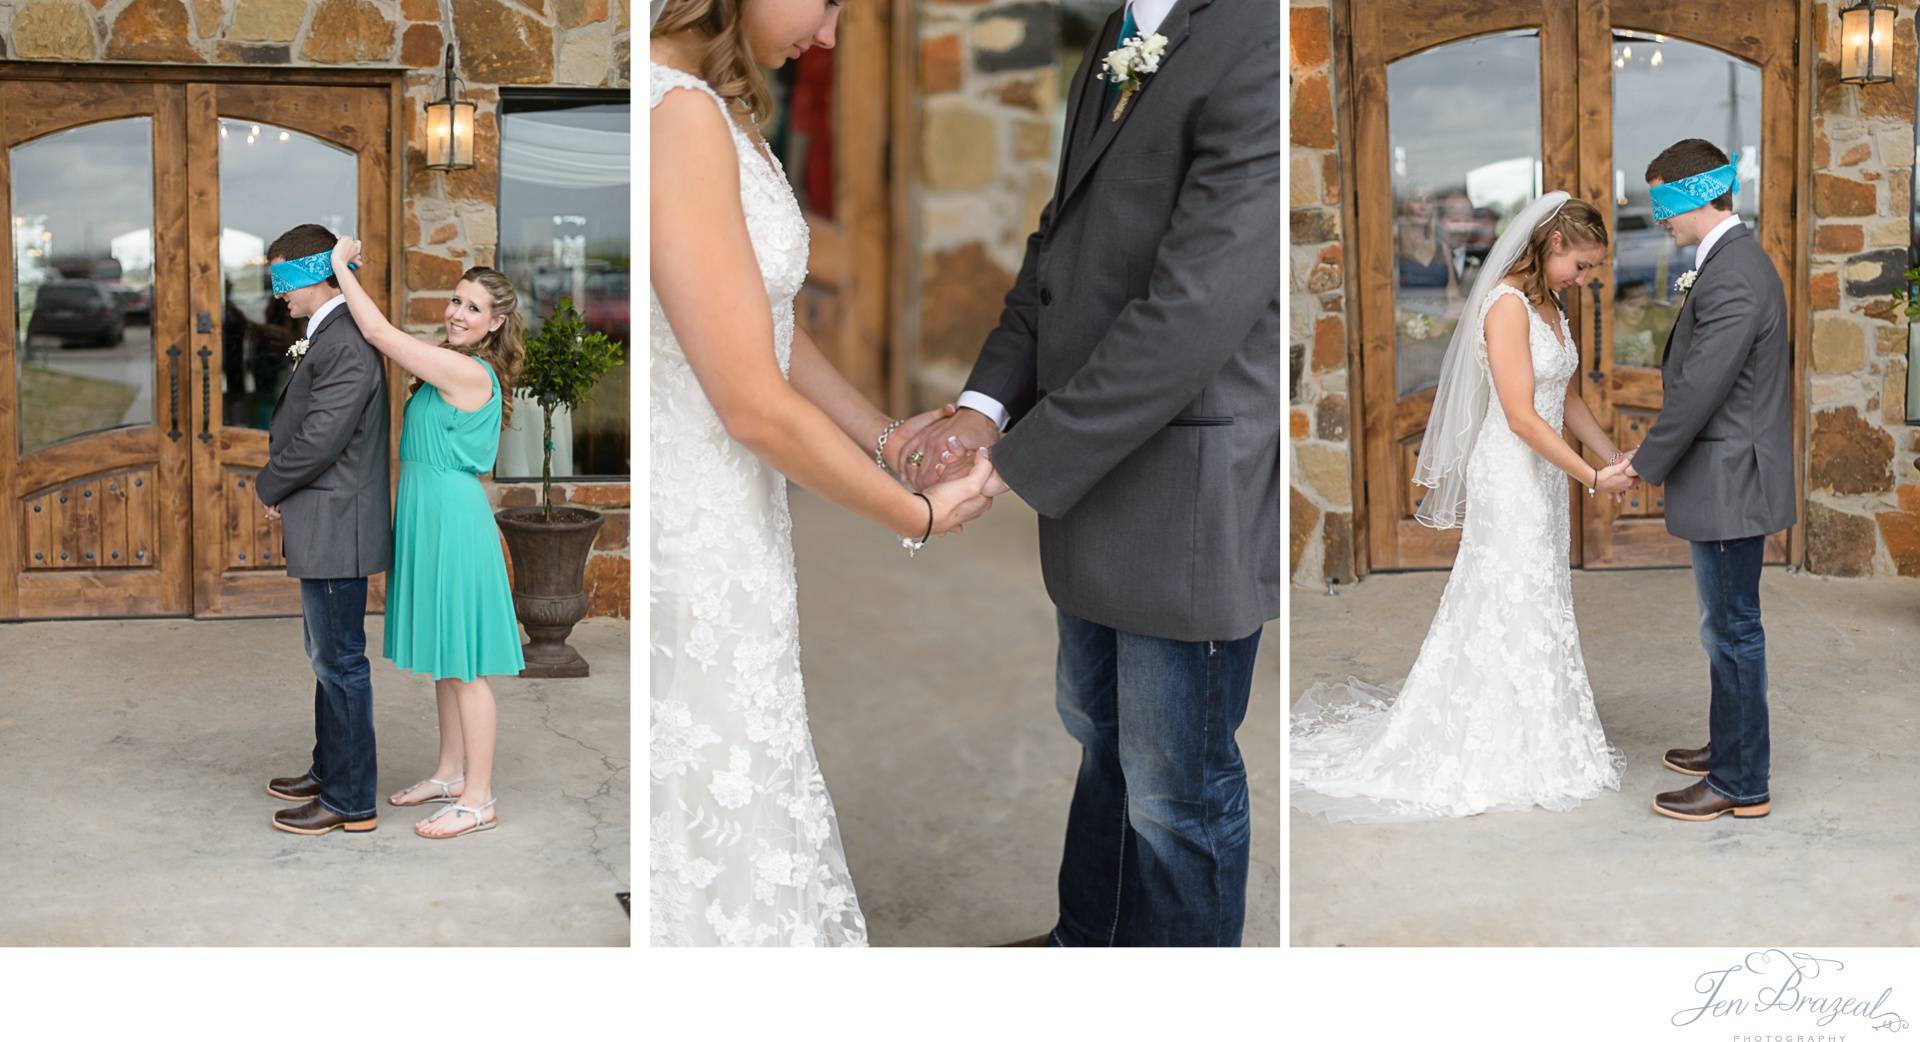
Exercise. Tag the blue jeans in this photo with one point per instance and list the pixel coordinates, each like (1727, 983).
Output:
(1726, 576)
(1157, 835)
(336, 634)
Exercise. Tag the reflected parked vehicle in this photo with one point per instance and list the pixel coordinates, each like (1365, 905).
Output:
(77, 311)
(608, 304)
(136, 302)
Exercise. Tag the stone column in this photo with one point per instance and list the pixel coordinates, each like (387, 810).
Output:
(1863, 492)
(989, 140)
(1319, 431)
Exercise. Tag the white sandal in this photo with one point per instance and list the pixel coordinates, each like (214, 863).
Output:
(446, 792)
(458, 809)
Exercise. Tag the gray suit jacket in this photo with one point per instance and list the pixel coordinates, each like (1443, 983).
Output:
(327, 457)
(1723, 444)
(1138, 353)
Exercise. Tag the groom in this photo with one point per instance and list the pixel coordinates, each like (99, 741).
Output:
(326, 480)
(1136, 373)
(1723, 447)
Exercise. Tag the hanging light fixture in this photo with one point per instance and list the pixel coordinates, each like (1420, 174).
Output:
(1866, 43)
(449, 144)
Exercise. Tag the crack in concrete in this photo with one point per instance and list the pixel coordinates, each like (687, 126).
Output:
(614, 767)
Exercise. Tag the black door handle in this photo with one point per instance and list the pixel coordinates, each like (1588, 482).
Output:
(173, 390)
(1598, 325)
(206, 394)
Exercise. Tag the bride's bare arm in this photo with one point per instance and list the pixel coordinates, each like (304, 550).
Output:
(1511, 358)
(1585, 426)
(819, 382)
(708, 282)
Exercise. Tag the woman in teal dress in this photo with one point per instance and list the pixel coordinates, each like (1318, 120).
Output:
(449, 607)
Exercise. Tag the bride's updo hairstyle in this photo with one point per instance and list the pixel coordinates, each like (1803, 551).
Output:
(1578, 223)
(725, 61)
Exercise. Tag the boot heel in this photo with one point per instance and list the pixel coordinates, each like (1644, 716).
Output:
(1757, 810)
(365, 825)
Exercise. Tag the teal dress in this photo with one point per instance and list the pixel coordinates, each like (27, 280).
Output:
(449, 606)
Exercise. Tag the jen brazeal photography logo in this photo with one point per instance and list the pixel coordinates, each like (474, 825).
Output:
(1791, 994)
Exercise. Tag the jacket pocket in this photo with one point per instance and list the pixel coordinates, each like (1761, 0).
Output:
(1201, 421)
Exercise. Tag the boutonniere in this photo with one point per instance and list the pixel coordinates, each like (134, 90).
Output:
(298, 351)
(1129, 65)
(1685, 281)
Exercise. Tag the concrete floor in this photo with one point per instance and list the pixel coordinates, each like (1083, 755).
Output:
(1832, 865)
(134, 757)
(930, 689)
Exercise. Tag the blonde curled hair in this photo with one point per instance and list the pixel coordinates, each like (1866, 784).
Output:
(1578, 223)
(725, 61)
(503, 349)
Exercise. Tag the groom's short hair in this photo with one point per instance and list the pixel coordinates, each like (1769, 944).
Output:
(304, 240)
(1686, 158)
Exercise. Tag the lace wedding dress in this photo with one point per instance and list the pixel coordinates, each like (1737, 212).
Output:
(743, 845)
(1497, 713)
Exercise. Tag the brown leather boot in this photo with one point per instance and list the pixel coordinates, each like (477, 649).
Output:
(1690, 762)
(1696, 802)
(311, 819)
(298, 789)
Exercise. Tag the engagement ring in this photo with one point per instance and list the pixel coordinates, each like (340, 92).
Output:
(916, 457)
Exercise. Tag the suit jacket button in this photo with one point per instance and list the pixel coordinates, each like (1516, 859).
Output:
(1046, 297)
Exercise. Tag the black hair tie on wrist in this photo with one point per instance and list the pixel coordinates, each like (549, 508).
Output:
(929, 503)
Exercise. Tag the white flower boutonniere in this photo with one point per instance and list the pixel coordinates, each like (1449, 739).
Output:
(1129, 65)
(1685, 281)
(298, 350)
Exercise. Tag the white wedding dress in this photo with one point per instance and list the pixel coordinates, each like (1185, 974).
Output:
(1497, 713)
(743, 845)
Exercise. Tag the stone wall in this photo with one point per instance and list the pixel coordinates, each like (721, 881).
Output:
(988, 148)
(450, 219)
(1863, 509)
(1319, 432)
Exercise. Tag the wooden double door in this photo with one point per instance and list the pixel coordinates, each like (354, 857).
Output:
(1462, 112)
(143, 350)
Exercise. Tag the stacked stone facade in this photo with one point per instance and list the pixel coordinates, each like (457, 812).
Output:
(450, 220)
(1862, 509)
(988, 147)
(1320, 433)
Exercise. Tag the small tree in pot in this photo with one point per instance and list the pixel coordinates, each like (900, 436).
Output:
(549, 547)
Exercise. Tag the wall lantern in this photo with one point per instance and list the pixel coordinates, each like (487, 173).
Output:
(1866, 43)
(450, 128)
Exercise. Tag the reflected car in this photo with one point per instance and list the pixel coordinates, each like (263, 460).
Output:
(608, 307)
(76, 311)
(136, 302)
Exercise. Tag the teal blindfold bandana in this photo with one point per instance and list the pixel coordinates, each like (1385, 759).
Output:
(1691, 193)
(301, 272)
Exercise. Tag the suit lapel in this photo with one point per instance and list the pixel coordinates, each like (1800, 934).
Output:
(1175, 28)
(332, 317)
(1719, 248)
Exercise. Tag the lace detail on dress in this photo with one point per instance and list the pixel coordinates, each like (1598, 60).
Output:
(1497, 713)
(743, 845)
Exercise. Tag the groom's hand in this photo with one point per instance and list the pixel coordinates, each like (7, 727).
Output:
(943, 443)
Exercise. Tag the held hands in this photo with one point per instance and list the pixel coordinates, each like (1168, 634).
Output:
(964, 497)
(273, 513)
(1617, 479)
(896, 451)
(940, 445)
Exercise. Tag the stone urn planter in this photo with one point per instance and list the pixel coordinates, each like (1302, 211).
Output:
(549, 582)
(549, 547)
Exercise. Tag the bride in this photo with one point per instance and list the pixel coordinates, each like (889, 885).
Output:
(743, 844)
(1497, 713)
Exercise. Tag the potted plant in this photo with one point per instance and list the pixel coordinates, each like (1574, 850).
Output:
(549, 547)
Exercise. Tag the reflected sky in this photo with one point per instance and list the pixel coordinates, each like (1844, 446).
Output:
(83, 188)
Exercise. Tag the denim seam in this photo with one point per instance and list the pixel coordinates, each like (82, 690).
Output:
(322, 801)
(1717, 791)
(1206, 747)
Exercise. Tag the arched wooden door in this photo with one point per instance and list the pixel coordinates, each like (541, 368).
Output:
(1465, 111)
(142, 353)
(94, 465)
(263, 158)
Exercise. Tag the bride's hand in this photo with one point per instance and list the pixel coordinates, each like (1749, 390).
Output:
(345, 251)
(1613, 479)
(960, 499)
(908, 429)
